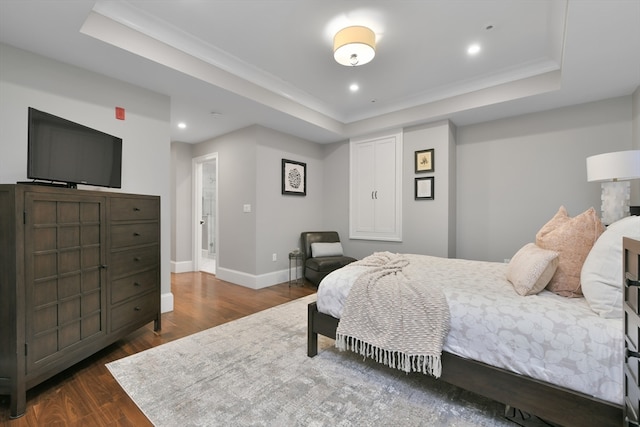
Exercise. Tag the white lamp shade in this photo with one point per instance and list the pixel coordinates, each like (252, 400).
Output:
(354, 46)
(619, 165)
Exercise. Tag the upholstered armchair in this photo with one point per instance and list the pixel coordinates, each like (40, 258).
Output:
(321, 254)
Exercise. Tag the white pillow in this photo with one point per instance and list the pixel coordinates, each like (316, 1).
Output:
(531, 269)
(321, 249)
(601, 275)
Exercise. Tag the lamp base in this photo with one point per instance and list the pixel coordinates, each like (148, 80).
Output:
(615, 201)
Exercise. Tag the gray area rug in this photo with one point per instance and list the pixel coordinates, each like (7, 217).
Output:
(255, 372)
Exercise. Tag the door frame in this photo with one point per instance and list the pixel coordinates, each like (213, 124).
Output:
(196, 173)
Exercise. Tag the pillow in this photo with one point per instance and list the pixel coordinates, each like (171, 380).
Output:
(531, 268)
(320, 249)
(601, 276)
(572, 238)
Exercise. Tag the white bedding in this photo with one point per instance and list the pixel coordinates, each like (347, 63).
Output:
(545, 336)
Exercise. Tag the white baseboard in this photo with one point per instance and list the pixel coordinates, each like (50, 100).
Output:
(251, 280)
(166, 302)
(181, 266)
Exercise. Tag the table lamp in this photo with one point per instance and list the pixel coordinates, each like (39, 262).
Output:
(614, 170)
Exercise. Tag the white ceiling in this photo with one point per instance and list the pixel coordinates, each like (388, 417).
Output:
(271, 62)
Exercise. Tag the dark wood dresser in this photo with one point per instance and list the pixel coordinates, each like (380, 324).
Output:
(78, 270)
(631, 260)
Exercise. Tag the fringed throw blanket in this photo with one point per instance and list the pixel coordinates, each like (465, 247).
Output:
(394, 318)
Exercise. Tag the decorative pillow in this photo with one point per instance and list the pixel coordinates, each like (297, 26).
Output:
(320, 249)
(572, 238)
(601, 277)
(531, 268)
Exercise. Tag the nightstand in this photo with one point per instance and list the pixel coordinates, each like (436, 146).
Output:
(631, 259)
(295, 263)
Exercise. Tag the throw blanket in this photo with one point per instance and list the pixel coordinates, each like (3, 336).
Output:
(393, 318)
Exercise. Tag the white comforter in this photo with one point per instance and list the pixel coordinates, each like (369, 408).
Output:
(548, 337)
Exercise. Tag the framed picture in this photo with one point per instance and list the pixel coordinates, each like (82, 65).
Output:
(294, 178)
(424, 188)
(424, 161)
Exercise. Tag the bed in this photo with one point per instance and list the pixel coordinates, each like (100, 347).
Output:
(544, 354)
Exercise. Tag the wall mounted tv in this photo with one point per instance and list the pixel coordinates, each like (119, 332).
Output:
(62, 152)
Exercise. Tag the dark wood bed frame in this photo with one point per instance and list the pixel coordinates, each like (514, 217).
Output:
(547, 401)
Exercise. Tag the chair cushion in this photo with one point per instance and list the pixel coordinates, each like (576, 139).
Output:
(329, 263)
(324, 249)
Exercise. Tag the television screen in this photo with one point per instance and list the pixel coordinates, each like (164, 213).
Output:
(66, 152)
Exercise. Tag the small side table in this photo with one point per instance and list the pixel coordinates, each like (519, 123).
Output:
(295, 263)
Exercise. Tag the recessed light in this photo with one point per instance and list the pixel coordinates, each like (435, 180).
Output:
(473, 49)
(354, 87)
(182, 125)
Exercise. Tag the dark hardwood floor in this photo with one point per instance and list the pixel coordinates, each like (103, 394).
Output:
(87, 394)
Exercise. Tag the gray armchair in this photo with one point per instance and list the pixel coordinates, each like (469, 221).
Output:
(315, 268)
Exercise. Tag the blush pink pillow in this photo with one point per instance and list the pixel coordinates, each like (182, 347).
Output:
(572, 238)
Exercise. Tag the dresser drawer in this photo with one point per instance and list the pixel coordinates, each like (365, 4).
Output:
(131, 286)
(131, 208)
(128, 261)
(123, 235)
(136, 311)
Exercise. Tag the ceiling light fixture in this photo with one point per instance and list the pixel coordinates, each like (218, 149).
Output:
(353, 46)
(473, 49)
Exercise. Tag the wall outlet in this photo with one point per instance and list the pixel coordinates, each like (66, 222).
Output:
(274, 257)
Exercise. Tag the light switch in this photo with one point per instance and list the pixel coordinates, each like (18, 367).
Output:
(246, 208)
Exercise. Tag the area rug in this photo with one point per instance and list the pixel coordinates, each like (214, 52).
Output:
(255, 372)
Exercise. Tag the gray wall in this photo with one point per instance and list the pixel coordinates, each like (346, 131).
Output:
(495, 186)
(428, 226)
(29, 80)
(181, 205)
(249, 162)
(514, 174)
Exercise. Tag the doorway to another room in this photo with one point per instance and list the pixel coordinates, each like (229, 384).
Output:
(205, 172)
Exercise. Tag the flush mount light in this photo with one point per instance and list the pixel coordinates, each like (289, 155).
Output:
(353, 46)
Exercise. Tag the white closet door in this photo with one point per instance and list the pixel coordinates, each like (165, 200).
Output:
(385, 186)
(363, 187)
(376, 188)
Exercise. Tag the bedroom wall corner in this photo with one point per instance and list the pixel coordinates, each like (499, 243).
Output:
(635, 137)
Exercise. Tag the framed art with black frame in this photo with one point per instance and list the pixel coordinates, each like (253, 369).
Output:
(424, 188)
(294, 178)
(424, 160)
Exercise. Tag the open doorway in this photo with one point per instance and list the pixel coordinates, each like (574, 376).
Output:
(205, 173)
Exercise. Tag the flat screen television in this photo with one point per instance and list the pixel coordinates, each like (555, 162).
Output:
(67, 153)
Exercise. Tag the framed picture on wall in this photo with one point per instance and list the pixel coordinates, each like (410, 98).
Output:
(294, 178)
(424, 160)
(424, 188)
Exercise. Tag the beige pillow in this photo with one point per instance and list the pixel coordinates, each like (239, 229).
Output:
(572, 238)
(531, 268)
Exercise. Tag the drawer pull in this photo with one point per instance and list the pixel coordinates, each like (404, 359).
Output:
(632, 354)
(630, 281)
(104, 266)
(136, 259)
(136, 308)
(136, 234)
(136, 209)
(136, 284)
